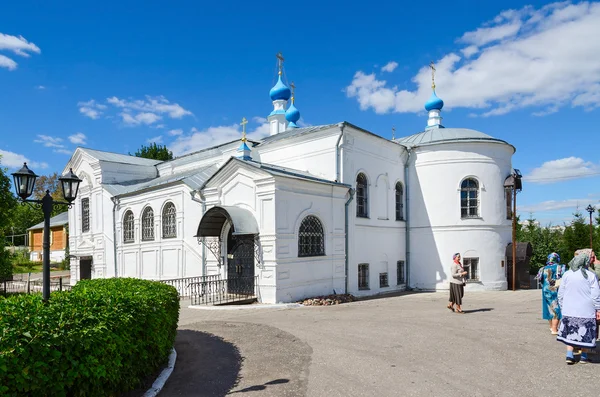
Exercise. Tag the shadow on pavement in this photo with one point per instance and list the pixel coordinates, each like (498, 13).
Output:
(206, 366)
(261, 387)
(486, 309)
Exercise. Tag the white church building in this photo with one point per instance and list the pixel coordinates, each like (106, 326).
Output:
(304, 212)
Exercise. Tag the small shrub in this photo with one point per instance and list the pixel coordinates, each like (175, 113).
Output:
(99, 339)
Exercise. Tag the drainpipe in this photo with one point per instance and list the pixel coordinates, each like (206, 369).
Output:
(202, 202)
(407, 216)
(337, 153)
(351, 193)
(115, 201)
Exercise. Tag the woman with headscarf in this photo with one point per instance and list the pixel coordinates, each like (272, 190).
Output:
(457, 284)
(549, 277)
(579, 300)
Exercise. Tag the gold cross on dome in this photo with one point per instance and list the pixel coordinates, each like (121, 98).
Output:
(293, 90)
(243, 124)
(280, 61)
(432, 66)
(393, 132)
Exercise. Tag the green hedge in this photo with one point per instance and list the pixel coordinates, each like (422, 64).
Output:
(99, 339)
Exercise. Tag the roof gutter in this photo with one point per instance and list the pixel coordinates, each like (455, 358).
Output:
(337, 153)
(202, 202)
(409, 150)
(351, 193)
(115, 201)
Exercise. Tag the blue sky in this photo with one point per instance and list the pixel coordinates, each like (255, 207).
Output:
(113, 75)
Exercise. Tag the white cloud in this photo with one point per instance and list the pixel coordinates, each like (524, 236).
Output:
(258, 119)
(40, 87)
(78, 138)
(557, 205)
(176, 132)
(15, 160)
(562, 169)
(50, 141)
(140, 118)
(522, 58)
(91, 109)
(64, 151)
(157, 139)
(201, 139)
(390, 67)
(19, 46)
(159, 105)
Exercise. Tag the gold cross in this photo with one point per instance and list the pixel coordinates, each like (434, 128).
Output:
(432, 66)
(243, 124)
(293, 90)
(393, 132)
(280, 61)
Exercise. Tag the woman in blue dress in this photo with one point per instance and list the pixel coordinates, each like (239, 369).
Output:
(549, 277)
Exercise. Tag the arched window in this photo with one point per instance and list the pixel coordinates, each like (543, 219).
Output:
(128, 228)
(362, 196)
(399, 202)
(311, 238)
(469, 198)
(169, 227)
(148, 224)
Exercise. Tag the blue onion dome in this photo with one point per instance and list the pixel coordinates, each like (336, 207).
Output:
(434, 103)
(280, 91)
(292, 114)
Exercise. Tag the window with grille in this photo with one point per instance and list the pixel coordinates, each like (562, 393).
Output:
(311, 238)
(383, 280)
(128, 227)
(363, 276)
(508, 193)
(169, 226)
(362, 196)
(471, 266)
(399, 202)
(400, 273)
(85, 215)
(469, 198)
(148, 224)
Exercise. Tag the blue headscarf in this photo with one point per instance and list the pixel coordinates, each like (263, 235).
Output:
(553, 259)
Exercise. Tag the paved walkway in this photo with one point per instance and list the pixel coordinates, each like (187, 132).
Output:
(407, 345)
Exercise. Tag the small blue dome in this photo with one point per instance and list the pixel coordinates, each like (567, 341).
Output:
(434, 103)
(280, 91)
(292, 114)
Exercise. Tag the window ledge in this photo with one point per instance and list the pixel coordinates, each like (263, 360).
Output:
(474, 282)
(466, 218)
(364, 289)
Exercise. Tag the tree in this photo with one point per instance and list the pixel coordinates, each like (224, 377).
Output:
(7, 204)
(576, 236)
(544, 240)
(155, 152)
(49, 183)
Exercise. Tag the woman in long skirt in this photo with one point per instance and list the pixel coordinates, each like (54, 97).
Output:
(579, 300)
(548, 277)
(457, 284)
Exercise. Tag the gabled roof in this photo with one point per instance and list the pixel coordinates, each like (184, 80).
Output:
(118, 158)
(276, 171)
(58, 220)
(192, 178)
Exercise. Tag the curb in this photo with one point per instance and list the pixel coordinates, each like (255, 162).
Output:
(248, 307)
(159, 383)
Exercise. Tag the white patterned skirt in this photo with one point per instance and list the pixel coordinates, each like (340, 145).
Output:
(577, 331)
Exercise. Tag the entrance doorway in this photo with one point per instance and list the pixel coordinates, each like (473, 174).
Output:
(240, 264)
(85, 268)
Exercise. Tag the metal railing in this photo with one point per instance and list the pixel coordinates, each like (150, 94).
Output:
(185, 286)
(33, 286)
(224, 291)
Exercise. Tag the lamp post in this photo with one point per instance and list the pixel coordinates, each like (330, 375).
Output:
(591, 210)
(514, 184)
(24, 180)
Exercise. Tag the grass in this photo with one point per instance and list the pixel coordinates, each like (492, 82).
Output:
(37, 268)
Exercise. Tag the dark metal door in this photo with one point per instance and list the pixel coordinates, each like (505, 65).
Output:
(85, 269)
(240, 264)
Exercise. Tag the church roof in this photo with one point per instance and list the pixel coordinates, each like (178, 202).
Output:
(438, 135)
(119, 158)
(192, 178)
(58, 220)
(294, 132)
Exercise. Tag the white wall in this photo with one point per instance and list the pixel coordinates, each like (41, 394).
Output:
(437, 230)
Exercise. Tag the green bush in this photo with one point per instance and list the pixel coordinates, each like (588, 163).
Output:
(100, 339)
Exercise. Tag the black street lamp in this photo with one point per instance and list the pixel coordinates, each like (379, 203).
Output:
(24, 180)
(514, 184)
(591, 210)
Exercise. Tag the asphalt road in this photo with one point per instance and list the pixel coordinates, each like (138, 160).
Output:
(407, 345)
